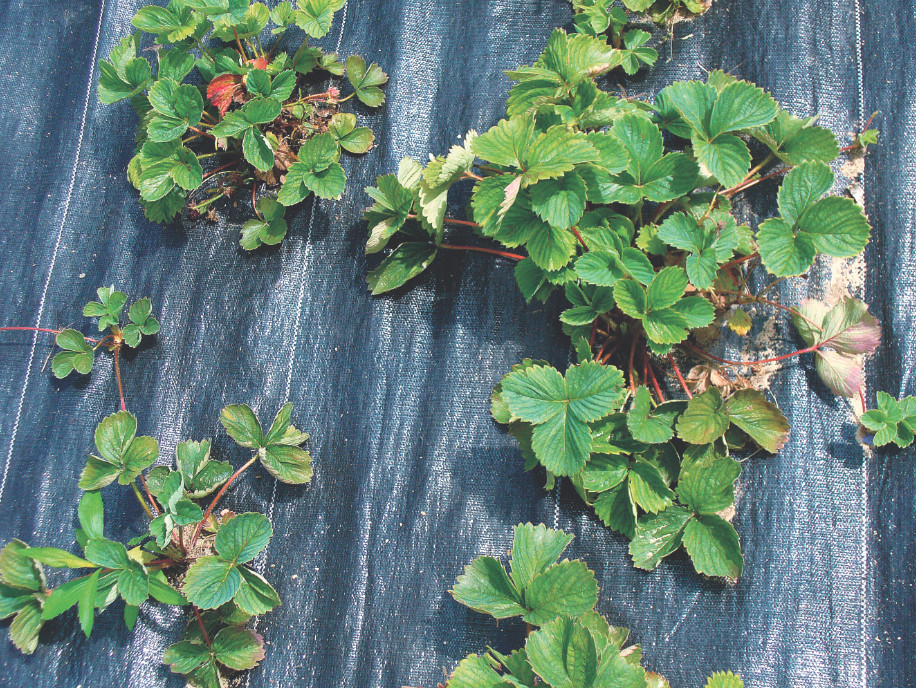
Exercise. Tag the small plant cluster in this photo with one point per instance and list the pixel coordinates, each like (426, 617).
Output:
(252, 110)
(624, 206)
(569, 644)
(188, 556)
(596, 17)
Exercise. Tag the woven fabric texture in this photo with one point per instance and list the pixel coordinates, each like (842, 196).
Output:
(413, 479)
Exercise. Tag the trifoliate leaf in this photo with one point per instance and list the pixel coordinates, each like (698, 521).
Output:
(706, 482)
(393, 202)
(893, 421)
(762, 420)
(657, 536)
(406, 262)
(123, 456)
(255, 595)
(724, 679)
(315, 16)
(211, 582)
(559, 202)
(365, 80)
(78, 354)
(634, 51)
(534, 549)
(561, 408)
(124, 74)
(648, 487)
(705, 419)
(835, 226)
(486, 587)
(616, 510)
(351, 138)
(650, 174)
(563, 653)
(567, 589)
(317, 171)
(712, 544)
(238, 648)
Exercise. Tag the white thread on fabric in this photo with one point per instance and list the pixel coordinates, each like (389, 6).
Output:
(60, 234)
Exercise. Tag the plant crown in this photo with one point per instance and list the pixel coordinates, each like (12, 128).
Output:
(254, 115)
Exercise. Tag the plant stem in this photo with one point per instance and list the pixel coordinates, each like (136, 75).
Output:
(204, 156)
(758, 299)
(203, 49)
(575, 231)
(471, 175)
(630, 366)
(149, 495)
(40, 329)
(652, 378)
(299, 53)
(201, 132)
(680, 378)
(450, 221)
(223, 167)
(481, 249)
(203, 629)
(241, 51)
(738, 261)
(142, 501)
(204, 204)
(751, 364)
(254, 191)
(117, 368)
(219, 494)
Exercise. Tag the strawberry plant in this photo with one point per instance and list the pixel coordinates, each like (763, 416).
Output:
(624, 207)
(188, 556)
(253, 116)
(569, 643)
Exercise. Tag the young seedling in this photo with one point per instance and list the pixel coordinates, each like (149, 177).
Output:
(568, 643)
(625, 206)
(251, 115)
(78, 351)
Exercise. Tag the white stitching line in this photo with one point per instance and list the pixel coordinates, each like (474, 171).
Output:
(863, 494)
(60, 234)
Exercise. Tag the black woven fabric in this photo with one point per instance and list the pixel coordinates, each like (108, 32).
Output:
(413, 479)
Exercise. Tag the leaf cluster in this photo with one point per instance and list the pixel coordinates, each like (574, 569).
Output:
(571, 644)
(658, 474)
(188, 556)
(256, 112)
(79, 353)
